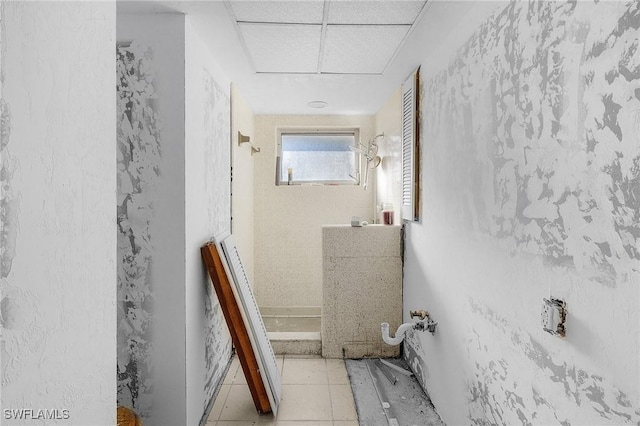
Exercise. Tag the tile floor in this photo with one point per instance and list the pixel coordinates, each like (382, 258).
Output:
(315, 392)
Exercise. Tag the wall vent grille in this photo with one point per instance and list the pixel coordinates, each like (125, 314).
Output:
(410, 145)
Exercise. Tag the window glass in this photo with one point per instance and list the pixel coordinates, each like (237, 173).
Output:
(318, 157)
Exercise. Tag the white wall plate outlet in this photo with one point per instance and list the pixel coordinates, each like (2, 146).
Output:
(553, 317)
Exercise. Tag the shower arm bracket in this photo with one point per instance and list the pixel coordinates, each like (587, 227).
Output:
(246, 139)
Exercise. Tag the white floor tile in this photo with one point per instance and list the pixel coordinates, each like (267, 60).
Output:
(305, 402)
(240, 379)
(239, 406)
(304, 371)
(231, 373)
(315, 392)
(219, 403)
(342, 403)
(337, 372)
(280, 363)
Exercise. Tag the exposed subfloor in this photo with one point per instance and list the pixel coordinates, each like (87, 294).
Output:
(381, 403)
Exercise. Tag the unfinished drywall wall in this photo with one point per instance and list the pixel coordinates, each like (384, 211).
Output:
(208, 214)
(138, 178)
(531, 153)
(288, 219)
(174, 190)
(57, 309)
(151, 240)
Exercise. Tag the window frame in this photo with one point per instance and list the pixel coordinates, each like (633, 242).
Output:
(355, 131)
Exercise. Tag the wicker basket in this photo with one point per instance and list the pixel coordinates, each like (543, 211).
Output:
(126, 417)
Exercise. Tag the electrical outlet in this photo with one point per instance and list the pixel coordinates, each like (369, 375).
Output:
(554, 315)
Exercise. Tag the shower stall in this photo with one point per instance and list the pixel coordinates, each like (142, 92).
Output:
(293, 330)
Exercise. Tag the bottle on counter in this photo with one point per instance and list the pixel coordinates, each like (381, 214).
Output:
(387, 213)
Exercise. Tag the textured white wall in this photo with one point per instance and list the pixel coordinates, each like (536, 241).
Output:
(182, 202)
(530, 156)
(289, 219)
(160, 357)
(242, 200)
(208, 214)
(58, 312)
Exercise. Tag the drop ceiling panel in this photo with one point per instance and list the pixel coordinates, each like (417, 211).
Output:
(286, 11)
(346, 94)
(365, 49)
(282, 47)
(374, 12)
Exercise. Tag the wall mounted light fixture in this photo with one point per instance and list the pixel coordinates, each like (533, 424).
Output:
(246, 139)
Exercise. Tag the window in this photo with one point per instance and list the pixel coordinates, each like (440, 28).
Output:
(318, 156)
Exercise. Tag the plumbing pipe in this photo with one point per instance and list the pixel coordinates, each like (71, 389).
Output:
(399, 334)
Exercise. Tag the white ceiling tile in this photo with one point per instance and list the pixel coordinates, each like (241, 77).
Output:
(279, 11)
(361, 48)
(282, 48)
(374, 11)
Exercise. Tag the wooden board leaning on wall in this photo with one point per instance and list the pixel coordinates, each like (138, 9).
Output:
(237, 327)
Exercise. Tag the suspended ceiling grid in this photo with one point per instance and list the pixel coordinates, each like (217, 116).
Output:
(323, 36)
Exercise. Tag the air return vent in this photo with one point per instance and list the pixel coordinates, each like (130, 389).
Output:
(410, 153)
